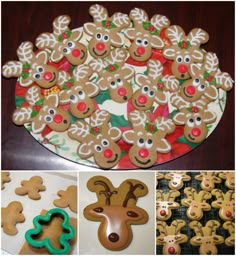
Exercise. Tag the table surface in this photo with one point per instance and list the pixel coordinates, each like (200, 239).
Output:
(24, 21)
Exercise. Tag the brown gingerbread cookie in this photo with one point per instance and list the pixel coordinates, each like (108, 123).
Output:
(63, 42)
(105, 31)
(42, 112)
(184, 50)
(31, 187)
(31, 67)
(68, 198)
(11, 215)
(171, 237)
(116, 209)
(208, 180)
(206, 237)
(230, 226)
(159, 176)
(5, 178)
(229, 178)
(177, 179)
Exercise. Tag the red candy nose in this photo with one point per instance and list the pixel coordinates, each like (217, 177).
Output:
(122, 91)
(47, 75)
(100, 46)
(81, 106)
(163, 212)
(142, 99)
(58, 118)
(228, 213)
(143, 152)
(171, 250)
(182, 68)
(140, 50)
(190, 89)
(76, 52)
(108, 153)
(196, 132)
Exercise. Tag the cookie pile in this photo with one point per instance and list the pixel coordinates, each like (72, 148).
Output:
(79, 79)
(205, 207)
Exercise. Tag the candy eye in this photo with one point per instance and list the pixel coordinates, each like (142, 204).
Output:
(139, 41)
(40, 69)
(151, 93)
(71, 44)
(179, 59)
(190, 122)
(113, 84)
(98, 36)
(119, 82)
(73, 98)
(51, 111)
(145, 43)
(141, 142)
(196, 82)
(198, 120)
(201, 87)
(48, 119)
(66, 50)
(149, 143)
(105, 142)
(98, 148)
(145, 89)
(81, 95)
(187, 59)
(106, 38)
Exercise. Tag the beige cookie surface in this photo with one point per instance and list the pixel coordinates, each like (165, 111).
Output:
(68, 198)
(31, 187)
(5, 178)
(11, 215)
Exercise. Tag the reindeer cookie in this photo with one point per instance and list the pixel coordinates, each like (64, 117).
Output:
(116, 209)
(184, 50)
(78, 92)
(225, 202)
(147, 138)
(145, 34)
(31, 187)
(229, 178)
(97, 139)
(165, 202)
(206, 237)
(63, 42)
(4, 178)
(42, 112)
(171, 237)
(105, 31)
(114, 75)
(177, 179)
(153, 86)
(230, 226)
(208, 180)
(196, 203)
(11, 215)
(31, 68)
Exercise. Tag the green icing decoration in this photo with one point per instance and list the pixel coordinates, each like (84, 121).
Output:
(25, 70)
(111, 67)
(65, 85)
(209, 78)
(184, 44)
(108, 24)
(149, 27)
(95, 130)
(64, 35)
(149, 127)
(35, 111)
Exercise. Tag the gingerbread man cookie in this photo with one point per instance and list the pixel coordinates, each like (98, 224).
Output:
(31, 187)
(5, 178)
(11, 215)
(116, 209)
(170, 236)
(68, 198)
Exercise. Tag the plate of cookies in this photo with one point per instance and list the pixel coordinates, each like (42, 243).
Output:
(125, 91)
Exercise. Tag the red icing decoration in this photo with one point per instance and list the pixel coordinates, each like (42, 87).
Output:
(140, 50)
(143, 152)
(195, 109)
(76, 52)
(182, 68)
(69, 84)
(228, 213)
(184, 44)
(122, 91)
(160, 86)
(196, 132)
(108, 153)
(151, 28)
(111, 67)
(171, 250)
(81, 106)
(100, 46)
(142, 99)
(47, 75)
(151, 127)
(64, 35)
(209, 78)
(190, 89)
(58, 118)
(108, 24)
(37, 108)
(163, 212)
(26, 70)
(96, 129)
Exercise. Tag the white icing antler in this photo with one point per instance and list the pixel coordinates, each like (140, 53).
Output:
(12, 68)
(171, 83)
(118, 55)
(164, 124)
(198, 36)
(175, 34)
(79, 129)
(33, 95)
(155, 69)
(25, 52)
(22, 115)
(138, 16)
(138, 118)
(82, 72)
(99, 118)
(160, 21)
(46, 40)
(211, 62)
(120, 19)
(60, 24)
(98, 12)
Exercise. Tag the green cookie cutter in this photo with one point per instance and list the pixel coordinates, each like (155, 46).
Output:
(45, 242)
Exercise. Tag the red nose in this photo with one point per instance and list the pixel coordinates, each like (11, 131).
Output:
(108, 153)
(163, 212)
(58, 118)
(140, 50)
(81, 106)
(142, 99)
(171, 250)
(122, 91)
(190, 89)
(76, 52)
(100, 46)
(182, 68)
(196, 132)
(228, 213)
(143, 152)
(47, 75)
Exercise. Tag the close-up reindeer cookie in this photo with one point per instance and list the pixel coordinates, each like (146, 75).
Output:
(117, 210)
(165, 203)
(170, 236)
(105, 31)
(177, 179)
(41, 112)
(63, 42)
(145, 34)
